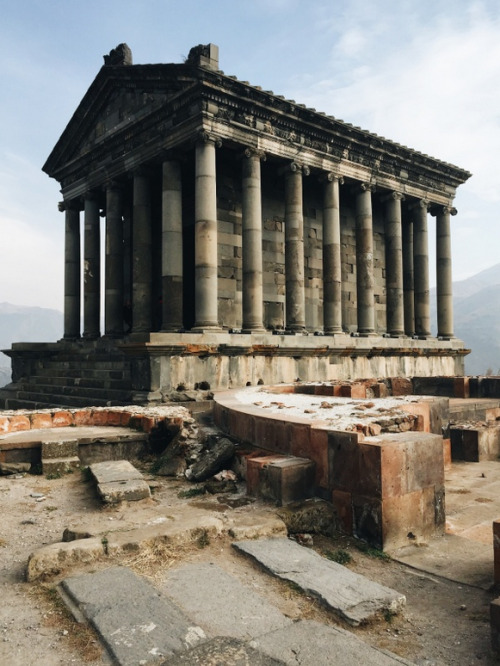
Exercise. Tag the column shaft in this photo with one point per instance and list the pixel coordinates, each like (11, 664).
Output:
(72, 298)
(394, 266)
(172, 273)
(408, 278)
(205, 252)
(332, 273)
(113, 293)
(91, 270)
(421, 271)
(364, 262)
(252, 295)
(141, 253)
(294, 251)
(444, 290)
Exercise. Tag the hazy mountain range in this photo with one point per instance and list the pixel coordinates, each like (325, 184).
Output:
(476, 314)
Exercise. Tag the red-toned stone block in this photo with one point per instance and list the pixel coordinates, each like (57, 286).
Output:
(495, 624)
(358, 390)
(299, 434)
(496, 551)
(241, 426)
(342, 501)
(318, 452)
(135, 421)
(380, 390)
(447, 453)
(345, 390)
(270, 434)
(422, 410)
(401, 386)
(19, 422)
(370, 469)
(114, 418)
(125, 419)
(324, 389)
(99, 417)
(461, 387)
(62, 419)
(254, 467)
(82, 417)
(343, 460)
(41, 421)
(148, 424)
(4, 424)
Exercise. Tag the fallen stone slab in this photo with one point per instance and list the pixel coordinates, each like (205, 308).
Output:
(223, 650)
(221, 604)
(309, 642)
(55, 558)
(118, 481)
(135, 623)
(352, 596)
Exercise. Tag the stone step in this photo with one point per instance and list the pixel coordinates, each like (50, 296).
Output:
(119, 480)
(280, 479)
(66, 448)
(353, 597)
(81, 391)
(60, 466)
(33, 400)
(133, 633)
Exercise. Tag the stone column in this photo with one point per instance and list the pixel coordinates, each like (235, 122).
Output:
(332, 273)
(252, 293)
(172, 273)
(72, 260)
(113, 290)
(364, 261)
(408, 278)
(142, 306)
(394, 265)
(91, 269)
(294, 249)
(205, 236)
(421, 271)
(444, 291)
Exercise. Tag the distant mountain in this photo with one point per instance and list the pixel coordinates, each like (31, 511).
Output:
(476, 306)
(19, 323)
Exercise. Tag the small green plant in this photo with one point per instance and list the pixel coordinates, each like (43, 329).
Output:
(51, 508)
(86, 474)
(54, 475)
(191, 492)
(389, 615)
(373, 552)
(202, 538)
(339, 556)
(105, 544)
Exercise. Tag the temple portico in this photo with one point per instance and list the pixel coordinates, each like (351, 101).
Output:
(241, 226)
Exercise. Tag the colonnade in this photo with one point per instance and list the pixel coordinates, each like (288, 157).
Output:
(406, 252)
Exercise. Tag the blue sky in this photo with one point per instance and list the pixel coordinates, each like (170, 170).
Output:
(422, 73)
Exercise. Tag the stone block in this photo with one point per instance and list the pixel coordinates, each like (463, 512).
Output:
(4, 424)
(342, 501)
(299, 435)
(65, 448)
(18, 423)
(496, 551)
(401, 386)
(288, 480)
(475, 444)
(270, 434)
(59, 466)
(253, 471)
(461, 387)
(129, 490)
(324, 389)
(83, 417)
(495, 624)
(343, 461)
(423, 411)
(447, 453)
(41, 420)
(62, 419)
(318, 452)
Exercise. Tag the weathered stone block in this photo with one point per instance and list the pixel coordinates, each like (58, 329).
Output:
(496, 551)
(287, 480)
(58, 466)
(474, 444)
(62, 419)
(495, 624)
(59, 449)
(129, 490)
(40, 421)
(401, 386)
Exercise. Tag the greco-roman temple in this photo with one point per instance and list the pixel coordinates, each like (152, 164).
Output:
(234, 237)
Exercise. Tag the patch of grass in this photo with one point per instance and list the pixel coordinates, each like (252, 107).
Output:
(389, 615)
(339, 556)
(51, 508)
(191, 492)
(201, 537)
(372, 552)
(86, 474)
(54, 475)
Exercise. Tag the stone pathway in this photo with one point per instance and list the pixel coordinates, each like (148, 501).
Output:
(352, 596)
(203, 615)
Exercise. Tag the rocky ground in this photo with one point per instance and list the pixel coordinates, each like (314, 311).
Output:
(444, 623)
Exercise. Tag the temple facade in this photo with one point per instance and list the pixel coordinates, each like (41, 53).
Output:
(247, 238)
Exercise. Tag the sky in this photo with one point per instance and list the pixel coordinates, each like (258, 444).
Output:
(423, 73)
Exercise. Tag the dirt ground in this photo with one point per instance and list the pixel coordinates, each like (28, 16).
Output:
(443, 624)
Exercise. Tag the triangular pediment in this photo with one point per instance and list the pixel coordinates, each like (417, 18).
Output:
(118, 99)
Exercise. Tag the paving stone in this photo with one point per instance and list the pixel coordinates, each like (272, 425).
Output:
(220, 603)
(119, 491)
(114, 470)
(222, 650)
(66, 448)
(309, 642)
(136, 624)
(352, 596)
(60, 465)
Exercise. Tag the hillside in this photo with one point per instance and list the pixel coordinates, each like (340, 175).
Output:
(20, 323)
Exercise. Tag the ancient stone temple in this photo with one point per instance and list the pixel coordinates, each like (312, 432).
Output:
(246, 237)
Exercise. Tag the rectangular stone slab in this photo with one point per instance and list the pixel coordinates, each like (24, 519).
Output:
(119, 491)
(352, 596)
(136, 624)
(114, 470)
(220, 603)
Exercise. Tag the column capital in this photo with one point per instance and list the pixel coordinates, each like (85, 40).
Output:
(294, 167)
(393, 196)
(436, 210)
(206, 137)
(419, 204)
(330, 176)
(113, 185)
(360, 187)
(69, 204)
(254, 152)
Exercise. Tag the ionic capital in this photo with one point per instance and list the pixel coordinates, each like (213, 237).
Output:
(419, 205)
(360, 188)
(254, 152)
(330, 177)
(443, 210)
(393, 196)
(206, 137)
(69, 204)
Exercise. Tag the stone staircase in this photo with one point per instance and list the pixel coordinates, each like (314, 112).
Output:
(68, 375)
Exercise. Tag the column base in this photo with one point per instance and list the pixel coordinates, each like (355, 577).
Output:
(205, 329)
(254, 330)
